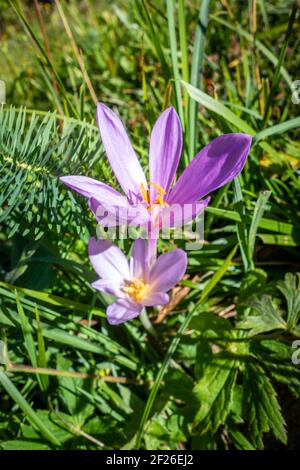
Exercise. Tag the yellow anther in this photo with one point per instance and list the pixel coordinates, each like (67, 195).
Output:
(159, 188)
(137, 289)
(159, 200)
(145, 193)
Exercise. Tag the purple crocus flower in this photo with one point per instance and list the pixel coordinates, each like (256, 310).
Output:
(137, 283)
(157, 202)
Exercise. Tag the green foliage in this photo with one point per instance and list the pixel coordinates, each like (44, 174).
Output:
(33, 154)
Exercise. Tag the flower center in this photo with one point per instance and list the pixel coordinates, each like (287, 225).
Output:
(137, 289)
(159, 198)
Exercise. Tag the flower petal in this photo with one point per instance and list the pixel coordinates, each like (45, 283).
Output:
(120, 153)
(122, 310)
(108, 260)
(168, 270)
(156, 298)
(139, 259)
(180, 214)
(215, 165)
(110, 215)
(165, 150)
(109, 287)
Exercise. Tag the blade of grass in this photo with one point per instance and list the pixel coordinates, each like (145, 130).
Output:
(173, 47)
(242, 233)
(217, 276)
(154, 37)
(77, 52)
(55, 300)
(267, 224)
(259, 45)
(27, 332)
(221, 110)
(260, 207)
(276, 76)
(45, 37)
(184, 54)
(173, 346)
(277, 129)
(40, 48)
(281, 240)
(196, 70)
(42, 356)
(218, 108)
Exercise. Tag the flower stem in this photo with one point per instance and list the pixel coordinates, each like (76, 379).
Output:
(152, 247)
(147, 324)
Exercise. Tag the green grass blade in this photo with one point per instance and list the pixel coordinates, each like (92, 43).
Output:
(55, 300)
(267, 224)
(40, 48)
(26, 408)
(259, 45)
(173, 47)
(42, 356)
(154, 37)
(27, 332)
(276, 76)
(242, 233)
(196, 70)
(280, 240)
(218, 275)
(277, 129)
(258, 213)
(183, 41)
(213, 105)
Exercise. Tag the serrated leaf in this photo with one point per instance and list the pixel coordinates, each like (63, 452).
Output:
(268, 317)
(290, 288)
(253, 282)
(261, 409)
(276, 356)
(213, 391)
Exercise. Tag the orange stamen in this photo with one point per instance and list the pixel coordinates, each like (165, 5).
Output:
(159, 200)
(137, 289)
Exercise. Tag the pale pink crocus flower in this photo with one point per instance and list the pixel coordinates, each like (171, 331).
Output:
(136, 283)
